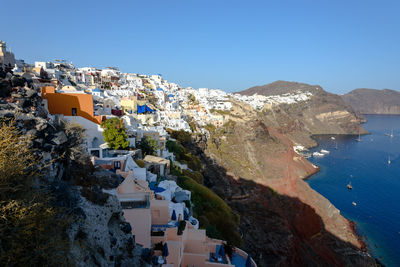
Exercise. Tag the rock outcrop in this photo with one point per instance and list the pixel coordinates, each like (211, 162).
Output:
(98, 234)
(371, 101)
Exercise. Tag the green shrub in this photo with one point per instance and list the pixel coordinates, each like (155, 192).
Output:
(176, 148)
(218, 213)
(192, 126)
(213, 213)
(196, 175)
(140, 163)
(210, 127)
(183, 156)
(182, 136)
(114, 133)
(148, 146)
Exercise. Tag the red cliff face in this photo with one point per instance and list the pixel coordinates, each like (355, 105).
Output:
(284, 222)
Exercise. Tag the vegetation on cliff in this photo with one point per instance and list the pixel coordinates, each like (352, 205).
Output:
(181, 153)
(32, 229)
(213, 213)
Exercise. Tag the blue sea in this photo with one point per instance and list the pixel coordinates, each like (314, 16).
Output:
(375, 182)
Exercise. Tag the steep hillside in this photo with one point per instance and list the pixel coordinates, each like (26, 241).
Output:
(371, 101)
(322, 113)
(252, 164)
(283, 221)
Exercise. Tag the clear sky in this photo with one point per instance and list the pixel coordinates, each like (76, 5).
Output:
(338, 44)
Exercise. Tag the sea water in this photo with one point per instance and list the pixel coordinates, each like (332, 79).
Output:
(375, 182)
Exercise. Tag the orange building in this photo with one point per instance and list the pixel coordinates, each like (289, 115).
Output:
(70, 104)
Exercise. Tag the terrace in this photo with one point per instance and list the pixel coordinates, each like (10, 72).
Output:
(219, 255)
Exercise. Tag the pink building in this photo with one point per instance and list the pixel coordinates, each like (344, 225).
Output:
(153, 228)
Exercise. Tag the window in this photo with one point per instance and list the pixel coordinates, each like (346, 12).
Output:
(117, 165)
(95, 153)
(74, 112)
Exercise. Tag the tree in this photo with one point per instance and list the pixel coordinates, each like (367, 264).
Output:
(148, 146)
(114, 133)
(32, 228)
(182, 136)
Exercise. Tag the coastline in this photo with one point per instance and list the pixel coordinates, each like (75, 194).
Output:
(362, 239)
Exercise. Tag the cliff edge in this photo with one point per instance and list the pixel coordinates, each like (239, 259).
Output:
(252, 164)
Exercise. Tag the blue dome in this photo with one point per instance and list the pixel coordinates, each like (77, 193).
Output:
(96, 90)
(159, 89)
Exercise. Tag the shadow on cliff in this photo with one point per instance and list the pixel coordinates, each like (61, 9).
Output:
(279, 230)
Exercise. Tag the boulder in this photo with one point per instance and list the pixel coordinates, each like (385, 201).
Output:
(18, 81)
(5, 88)
(2, 73)
(16, 95)
(126, 227)
(48, 147)
(32, 133)
(4, 105)
(41, 124)
(38, 143)
(95, 195)
(59, 138)
(24, 102)
(105, 179)
(6, 113)
(30, 93)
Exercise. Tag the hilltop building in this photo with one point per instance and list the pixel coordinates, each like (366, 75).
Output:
(6, 57)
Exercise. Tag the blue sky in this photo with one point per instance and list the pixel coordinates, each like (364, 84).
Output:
(233, 45)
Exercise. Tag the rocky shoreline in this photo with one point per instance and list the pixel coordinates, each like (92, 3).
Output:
(352, 224)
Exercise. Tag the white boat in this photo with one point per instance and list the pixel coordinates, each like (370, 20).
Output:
(391, 134)
(317, 154)
(359, 138)
(389, 161)
(349, 186)
(333, 138)
(323, 151)
(354, 203)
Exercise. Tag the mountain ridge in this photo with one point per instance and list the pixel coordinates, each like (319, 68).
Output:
(374, 101)
(275, 88)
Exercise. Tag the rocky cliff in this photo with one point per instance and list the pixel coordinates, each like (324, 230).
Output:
(371, 101)
(92, 230)
(323, 113)
(283, 221)
(252, 164)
